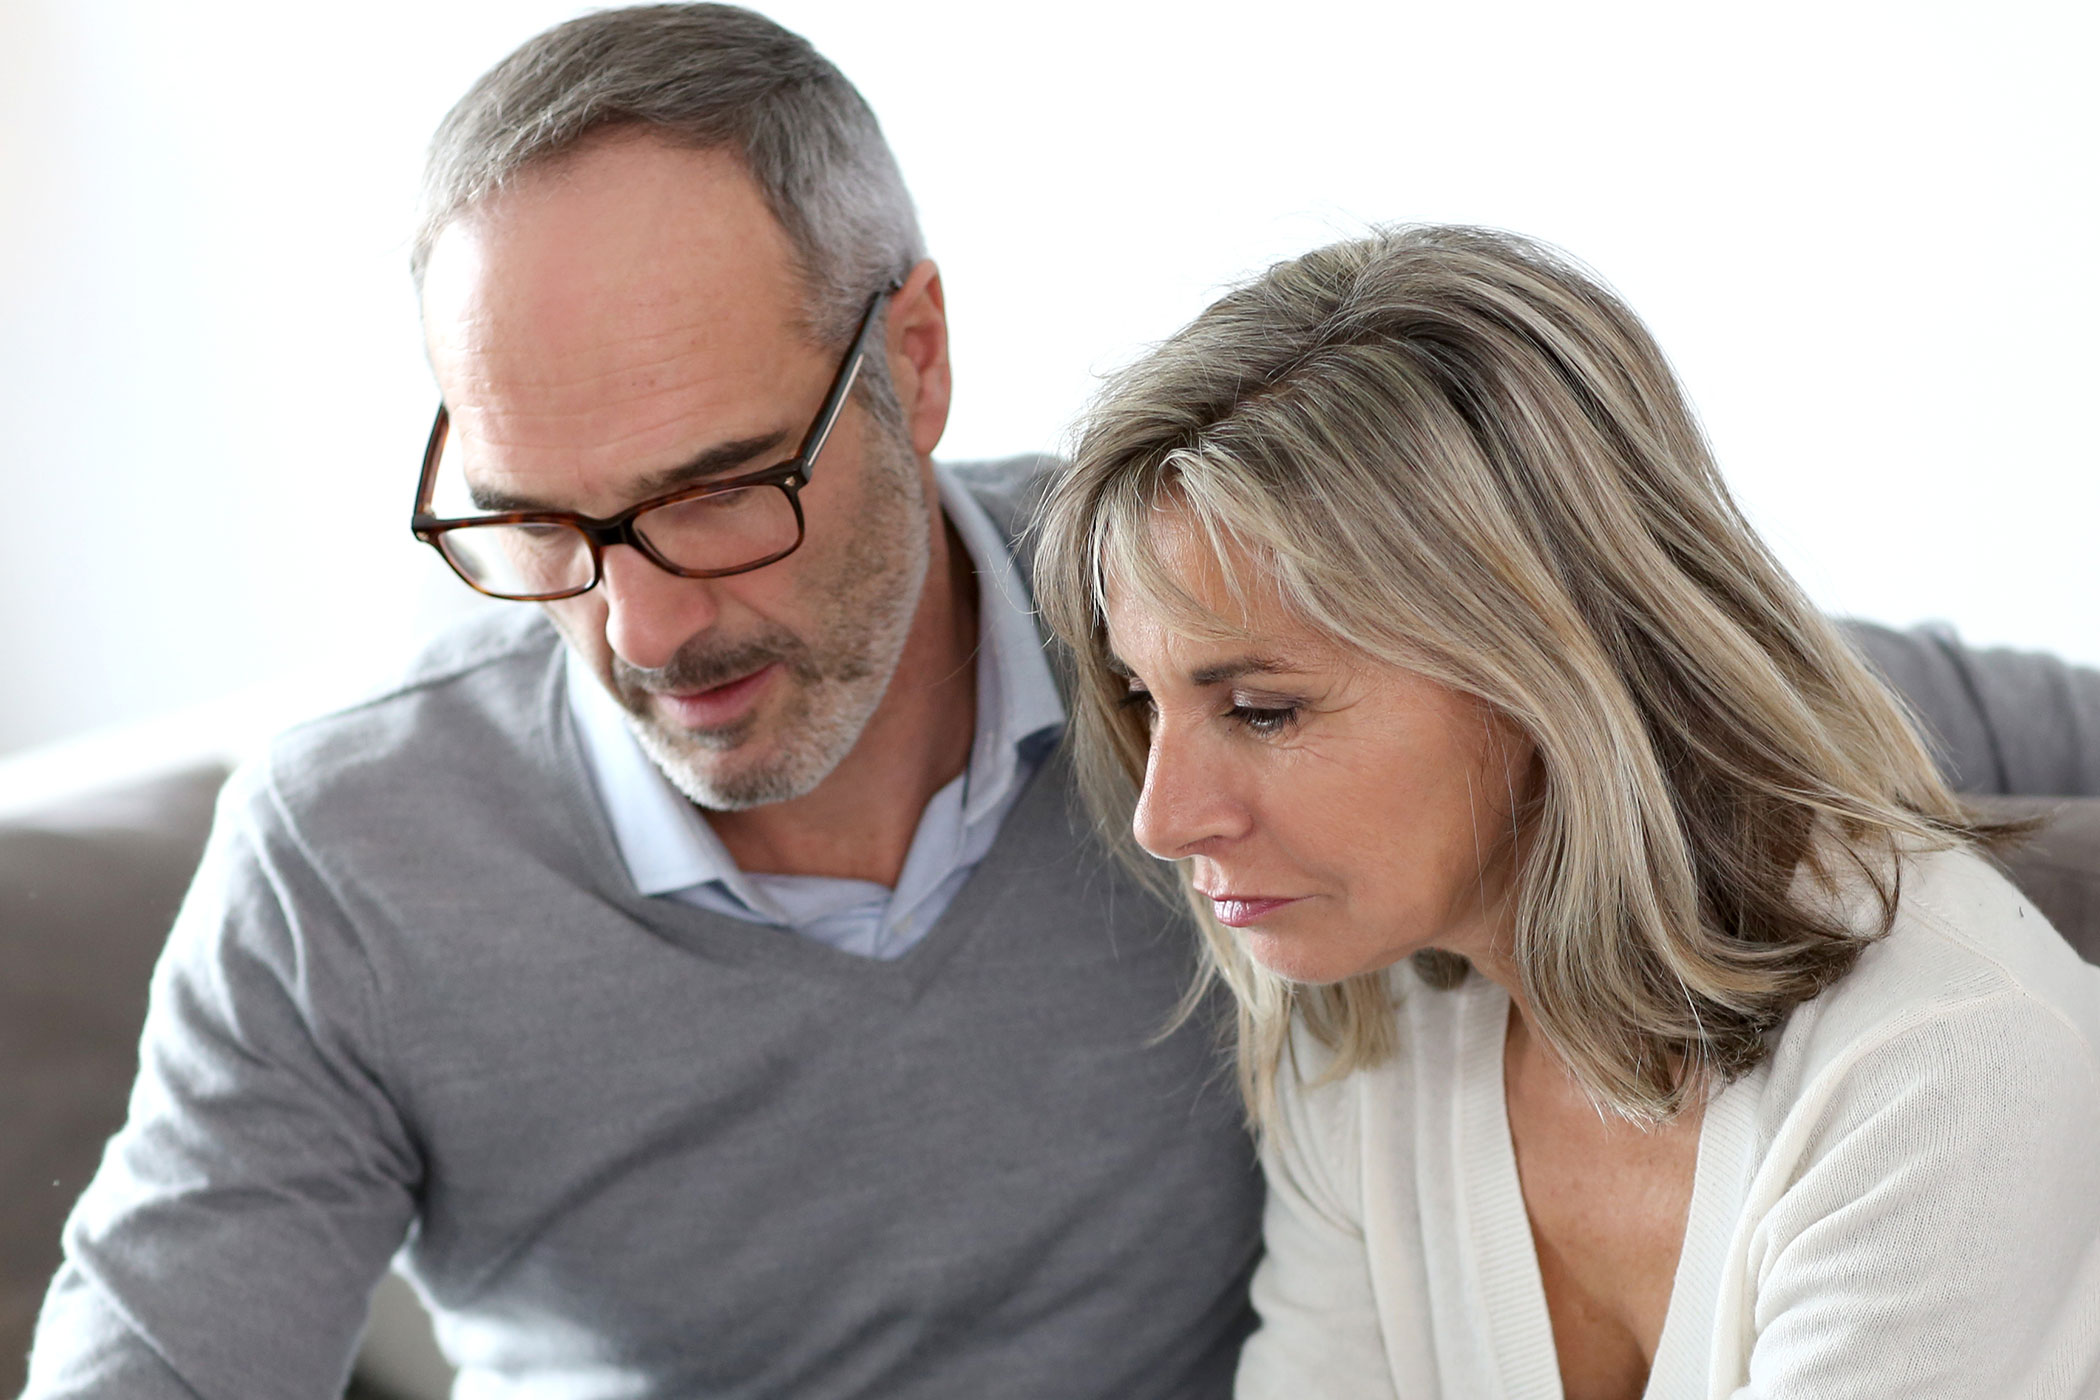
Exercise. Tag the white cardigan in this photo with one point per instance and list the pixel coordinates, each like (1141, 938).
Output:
(1902, 1202)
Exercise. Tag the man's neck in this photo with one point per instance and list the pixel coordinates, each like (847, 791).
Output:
(859, 822)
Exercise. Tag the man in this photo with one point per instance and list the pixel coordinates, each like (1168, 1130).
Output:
(722, 996)
(733, 1001)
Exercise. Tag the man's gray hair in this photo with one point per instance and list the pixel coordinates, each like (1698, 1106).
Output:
(708, 77)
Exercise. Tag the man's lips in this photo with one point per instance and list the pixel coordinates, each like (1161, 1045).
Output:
(1238, 911)
(722, 705)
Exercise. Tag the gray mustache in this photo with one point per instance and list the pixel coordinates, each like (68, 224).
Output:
(702, 667)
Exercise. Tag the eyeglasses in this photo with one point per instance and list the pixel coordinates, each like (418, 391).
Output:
(708, 531)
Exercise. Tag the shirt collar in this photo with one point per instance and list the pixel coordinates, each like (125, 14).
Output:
(667, 845)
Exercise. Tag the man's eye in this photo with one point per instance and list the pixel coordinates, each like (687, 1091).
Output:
(1266, 721)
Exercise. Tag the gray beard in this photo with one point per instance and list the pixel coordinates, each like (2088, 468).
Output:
(837, 677)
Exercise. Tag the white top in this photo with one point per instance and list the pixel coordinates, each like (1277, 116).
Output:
(670, 850)
(1901, 1203)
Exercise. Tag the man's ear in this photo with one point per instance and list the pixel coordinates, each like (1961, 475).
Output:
(917, 345)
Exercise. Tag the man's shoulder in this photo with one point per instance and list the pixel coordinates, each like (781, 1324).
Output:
(491, 638)
(1008, 488)
(476, 698)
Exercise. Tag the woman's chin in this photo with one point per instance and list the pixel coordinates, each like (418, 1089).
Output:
(1312, 961)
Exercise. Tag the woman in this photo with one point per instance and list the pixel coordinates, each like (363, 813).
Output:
(1622, 999)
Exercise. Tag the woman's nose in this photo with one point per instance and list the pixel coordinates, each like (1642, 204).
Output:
(1187, 807)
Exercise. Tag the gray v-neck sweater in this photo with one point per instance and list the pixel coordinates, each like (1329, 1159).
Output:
(639, 1149)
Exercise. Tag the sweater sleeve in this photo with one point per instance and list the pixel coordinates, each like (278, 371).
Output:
(1941, 1232)
(229, 1242)
(1319, 1333)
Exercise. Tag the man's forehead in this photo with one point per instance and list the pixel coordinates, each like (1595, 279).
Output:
(625, 243)
(622, 308)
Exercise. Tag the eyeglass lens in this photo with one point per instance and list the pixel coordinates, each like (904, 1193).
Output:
(718, 532)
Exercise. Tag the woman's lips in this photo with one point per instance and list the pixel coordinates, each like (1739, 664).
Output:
(1236, 911)
(721, 706)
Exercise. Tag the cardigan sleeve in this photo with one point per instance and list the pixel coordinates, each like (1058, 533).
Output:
(1940, 1235)
(1319, 1334)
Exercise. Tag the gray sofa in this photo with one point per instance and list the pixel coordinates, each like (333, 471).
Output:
(88, 885)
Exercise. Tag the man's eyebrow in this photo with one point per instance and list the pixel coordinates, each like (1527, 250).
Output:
(716, 460)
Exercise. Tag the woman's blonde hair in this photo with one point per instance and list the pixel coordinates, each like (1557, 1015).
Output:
(1454, 451)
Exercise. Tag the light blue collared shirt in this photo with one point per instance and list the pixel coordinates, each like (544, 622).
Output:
(670, 849)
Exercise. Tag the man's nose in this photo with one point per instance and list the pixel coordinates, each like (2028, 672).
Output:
(1187, 807)
(650, 613)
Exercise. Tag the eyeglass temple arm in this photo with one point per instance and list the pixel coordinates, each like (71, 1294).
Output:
(440, 429)
(828, 416)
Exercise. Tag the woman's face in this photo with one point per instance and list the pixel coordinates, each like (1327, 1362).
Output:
(1340, 812)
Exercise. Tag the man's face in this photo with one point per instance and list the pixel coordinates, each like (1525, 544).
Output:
(629, 320)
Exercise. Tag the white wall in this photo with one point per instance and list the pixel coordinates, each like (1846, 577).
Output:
(1863, 231)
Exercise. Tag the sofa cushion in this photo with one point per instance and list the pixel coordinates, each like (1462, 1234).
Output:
(88, 889)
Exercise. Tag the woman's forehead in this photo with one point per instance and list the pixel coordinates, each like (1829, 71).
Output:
(1172, 590)
(1161, 560)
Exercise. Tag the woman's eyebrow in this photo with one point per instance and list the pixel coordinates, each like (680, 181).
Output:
(1219, 672)
(1216, 673)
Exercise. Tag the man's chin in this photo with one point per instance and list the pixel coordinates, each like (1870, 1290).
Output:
(691, 743)
(723, 770)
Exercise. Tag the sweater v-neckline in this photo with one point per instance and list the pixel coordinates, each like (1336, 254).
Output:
(1518, 1326)
(733, 940)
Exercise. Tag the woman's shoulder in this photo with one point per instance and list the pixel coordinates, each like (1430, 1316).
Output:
(1921, 1137)
(1963, 931)
(1968, 968)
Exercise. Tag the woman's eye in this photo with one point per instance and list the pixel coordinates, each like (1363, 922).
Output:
(1264, 720)
(1140, 700)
